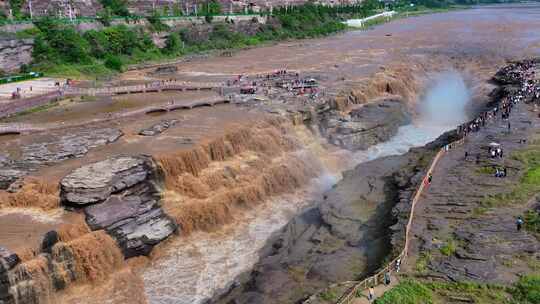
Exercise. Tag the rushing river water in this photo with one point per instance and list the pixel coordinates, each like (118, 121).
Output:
(194, 268)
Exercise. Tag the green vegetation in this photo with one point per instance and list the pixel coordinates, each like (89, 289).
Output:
(532, 221)
(489, 170)
(328, 295)
(423, 261)
(449, 248)
(407, 292)
(156, 24)
(115, 7)
(525, 291)
(60, 50)
(528, 185)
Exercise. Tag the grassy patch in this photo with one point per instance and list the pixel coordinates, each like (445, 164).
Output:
(27, 33)
(328, 295)
(489, 170)
(423, 261)
(528, 185)
(469, 292)
(407, 292)
(449, 248)
(527, 290)
(532, 221)
(77, 71)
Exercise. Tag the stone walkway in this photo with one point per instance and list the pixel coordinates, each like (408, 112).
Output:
(450, 210)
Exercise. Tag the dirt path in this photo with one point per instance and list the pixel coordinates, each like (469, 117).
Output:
(454, 236)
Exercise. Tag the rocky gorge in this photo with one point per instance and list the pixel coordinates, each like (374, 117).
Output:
(235, 202)
(360, 223)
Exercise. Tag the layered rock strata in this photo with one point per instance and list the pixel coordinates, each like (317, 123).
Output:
(120, 195)
(365, 126)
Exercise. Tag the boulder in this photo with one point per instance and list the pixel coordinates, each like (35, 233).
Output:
(9, 176)
(158, 128)
(137, 225)
(120, 196)
(8, 260)
(96, 182)
(365, 126)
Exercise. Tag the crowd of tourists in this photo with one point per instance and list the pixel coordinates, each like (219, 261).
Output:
(518, 73)
(289, 81)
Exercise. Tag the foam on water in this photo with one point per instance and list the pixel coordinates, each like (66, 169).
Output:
(196, 267)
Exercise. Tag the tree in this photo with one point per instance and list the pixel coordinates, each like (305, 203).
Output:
(116, 7)
(173, 44)
(113, 62)
(99, 43)
(105, 16)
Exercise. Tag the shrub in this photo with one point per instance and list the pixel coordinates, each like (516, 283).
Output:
(116, 7)
(173, 44)
(156, 24)
(527, 290)
(113, 62)
(407, 292)
(532, 220)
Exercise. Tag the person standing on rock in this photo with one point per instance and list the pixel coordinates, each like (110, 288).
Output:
(519, 223)
(429, 179)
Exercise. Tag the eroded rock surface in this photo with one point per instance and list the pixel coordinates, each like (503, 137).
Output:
(158, 128)
(366, 126)
(69, 146)
(120, 195)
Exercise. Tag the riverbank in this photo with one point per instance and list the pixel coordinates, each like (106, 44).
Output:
(99, 60)
(465, 238)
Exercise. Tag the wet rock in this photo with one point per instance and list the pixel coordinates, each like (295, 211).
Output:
(136, 224)
(8, 259)
(68, 146)
(120, 196)
(96, 182)
(9, 176)
(366, 126)
(49, 240)
(158, 128)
